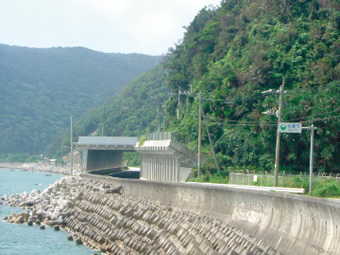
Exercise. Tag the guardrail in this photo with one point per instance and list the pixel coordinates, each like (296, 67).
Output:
(264, 179)
(252, 188)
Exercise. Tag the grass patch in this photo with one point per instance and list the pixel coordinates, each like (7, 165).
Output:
(326, 188)
(211, 178)
(322, 187)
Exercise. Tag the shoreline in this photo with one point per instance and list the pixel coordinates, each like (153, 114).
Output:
(103, 218)
(42, 167)
(11, 165)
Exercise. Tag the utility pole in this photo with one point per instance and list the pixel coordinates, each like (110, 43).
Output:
(159, 117)
(199, 134)
(277, 150)
(178, 102)
(102, 129)
(211, 144)
(71, 148)
(312, 129)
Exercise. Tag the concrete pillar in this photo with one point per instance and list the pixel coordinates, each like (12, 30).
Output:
(153, 175)
(141, 166)
(166, 168)
(162, 166)
(177, 170)
(150, 167)
(145, 169)
(146, 165)
(84, 160)
(172, 169)
(157, 168)
(169, 168)
(154, 168)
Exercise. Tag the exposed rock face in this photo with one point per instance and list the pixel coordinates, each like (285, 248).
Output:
(101, 217)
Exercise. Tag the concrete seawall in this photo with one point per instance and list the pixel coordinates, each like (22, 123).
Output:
(100, 216)
(291, 224)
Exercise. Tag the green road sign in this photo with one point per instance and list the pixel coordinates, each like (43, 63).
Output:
(289, 127)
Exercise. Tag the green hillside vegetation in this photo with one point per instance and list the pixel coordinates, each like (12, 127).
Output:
(41, 88)
(134, 111)
(231, 54)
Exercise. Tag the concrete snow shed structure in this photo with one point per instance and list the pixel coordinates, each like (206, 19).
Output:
(104, 153)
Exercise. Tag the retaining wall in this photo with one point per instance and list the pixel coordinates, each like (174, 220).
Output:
(291, 224)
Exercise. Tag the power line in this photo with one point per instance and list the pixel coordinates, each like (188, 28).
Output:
(321, 119)
(244, 124)
(302, 118)
(254, 97)
(303, 90)
(251, 123)
(232, 100)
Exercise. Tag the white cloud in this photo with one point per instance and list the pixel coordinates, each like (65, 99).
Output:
(148, 26)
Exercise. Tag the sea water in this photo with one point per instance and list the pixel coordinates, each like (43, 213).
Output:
(21, 239)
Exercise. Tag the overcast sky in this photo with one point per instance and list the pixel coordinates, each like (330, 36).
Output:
(127, 26)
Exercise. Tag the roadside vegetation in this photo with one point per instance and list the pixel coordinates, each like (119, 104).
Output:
(322, 187)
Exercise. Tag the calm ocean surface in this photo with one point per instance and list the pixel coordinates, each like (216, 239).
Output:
(22, 239)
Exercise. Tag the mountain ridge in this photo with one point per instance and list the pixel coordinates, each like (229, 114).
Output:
(41, 88)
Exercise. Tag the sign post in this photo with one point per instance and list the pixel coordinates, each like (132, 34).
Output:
(311, 128)
(289, 127)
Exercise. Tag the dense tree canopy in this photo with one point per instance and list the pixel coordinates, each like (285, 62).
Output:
(41, 88)
(233, 53)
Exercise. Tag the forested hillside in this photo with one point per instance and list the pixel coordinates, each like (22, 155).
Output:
(231, 54)
(133, 112)
(41, 88)
(234, 53)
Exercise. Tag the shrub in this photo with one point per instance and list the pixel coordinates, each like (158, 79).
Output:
(329, 188)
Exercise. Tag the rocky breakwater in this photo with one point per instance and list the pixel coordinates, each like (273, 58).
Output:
(103, 218)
